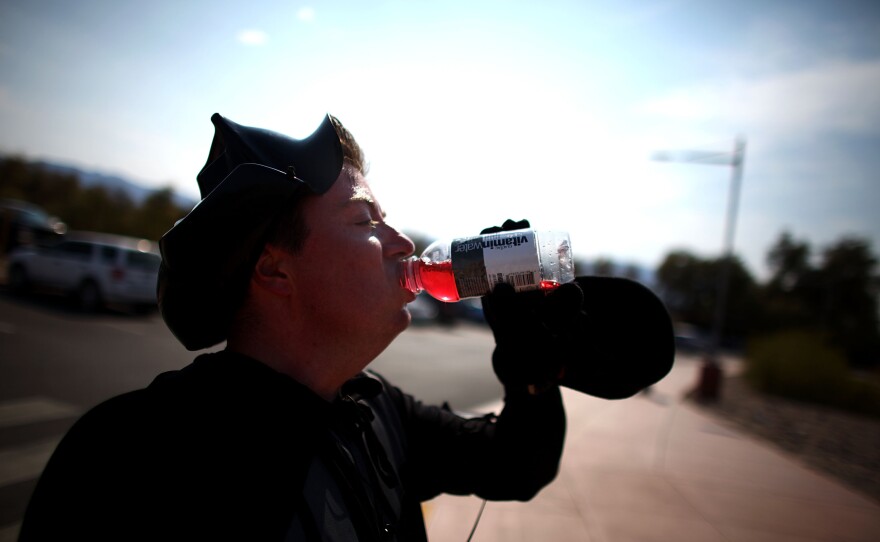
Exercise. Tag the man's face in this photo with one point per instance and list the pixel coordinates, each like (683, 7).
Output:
(347, 274)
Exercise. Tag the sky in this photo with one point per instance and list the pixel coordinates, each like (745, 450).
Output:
(471, 112)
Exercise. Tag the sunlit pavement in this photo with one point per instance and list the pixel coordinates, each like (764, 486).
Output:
(655, 468)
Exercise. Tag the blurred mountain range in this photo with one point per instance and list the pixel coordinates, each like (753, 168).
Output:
(138, 193)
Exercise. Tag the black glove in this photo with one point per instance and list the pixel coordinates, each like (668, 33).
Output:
(533, 330)
(622, 345)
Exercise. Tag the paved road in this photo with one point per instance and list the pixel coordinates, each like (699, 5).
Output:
(56, 363)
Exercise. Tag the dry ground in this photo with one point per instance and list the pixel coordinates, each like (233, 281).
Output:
(846, 446)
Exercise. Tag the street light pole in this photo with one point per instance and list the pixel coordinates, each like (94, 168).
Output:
(708, 387)
(736, 164)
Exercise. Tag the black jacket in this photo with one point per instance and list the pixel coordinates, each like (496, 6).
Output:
(227, 448)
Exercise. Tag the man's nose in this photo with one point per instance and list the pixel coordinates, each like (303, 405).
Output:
(397, 244)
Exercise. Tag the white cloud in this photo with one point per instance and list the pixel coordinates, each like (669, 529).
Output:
(789, 77)
(306, 14)
(252, 37)
(835, 97)
(801, 122)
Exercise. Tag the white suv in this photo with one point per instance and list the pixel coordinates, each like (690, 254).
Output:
(95, 269)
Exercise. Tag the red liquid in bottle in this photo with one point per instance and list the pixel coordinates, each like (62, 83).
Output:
(438, 280)
(549, 285)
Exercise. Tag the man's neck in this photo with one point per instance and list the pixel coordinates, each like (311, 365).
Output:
(322, 367)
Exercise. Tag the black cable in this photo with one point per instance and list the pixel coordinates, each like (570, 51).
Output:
(477, 521)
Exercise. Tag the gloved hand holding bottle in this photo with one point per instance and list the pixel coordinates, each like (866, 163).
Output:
(534, 330)
(604, 336)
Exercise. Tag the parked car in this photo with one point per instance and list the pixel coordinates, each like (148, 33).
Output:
(427, 310)
(94, 269)
(25, 224)
(689, 339)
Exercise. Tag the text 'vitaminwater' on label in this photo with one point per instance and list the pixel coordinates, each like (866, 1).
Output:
(479, 263)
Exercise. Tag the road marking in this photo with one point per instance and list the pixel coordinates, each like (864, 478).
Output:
(34, 409)
(25, 462)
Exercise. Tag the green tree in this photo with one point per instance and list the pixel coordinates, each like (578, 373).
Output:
(632, 272)
(93, 208)
(789, 261)
(848, 300)
(98, 209)
(789, 298)
(581, 267)
(603, 267)
(24, 181)
(13, 174)
(156, 215)
(836, 298)
(689, 285)
(687, 288)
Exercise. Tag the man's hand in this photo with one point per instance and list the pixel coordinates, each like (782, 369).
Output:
(533, 330)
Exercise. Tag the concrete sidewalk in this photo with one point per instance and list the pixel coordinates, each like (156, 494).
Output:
(654, 468)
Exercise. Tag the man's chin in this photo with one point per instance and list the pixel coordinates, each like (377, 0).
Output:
(407, 319)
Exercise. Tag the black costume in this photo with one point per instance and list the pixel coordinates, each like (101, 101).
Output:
(227, 448)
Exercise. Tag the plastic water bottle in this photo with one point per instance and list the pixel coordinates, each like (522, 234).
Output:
(472, 266)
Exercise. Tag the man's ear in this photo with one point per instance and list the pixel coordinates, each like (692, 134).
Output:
(271, 272)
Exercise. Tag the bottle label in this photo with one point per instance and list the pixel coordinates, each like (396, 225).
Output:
(479, 263)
